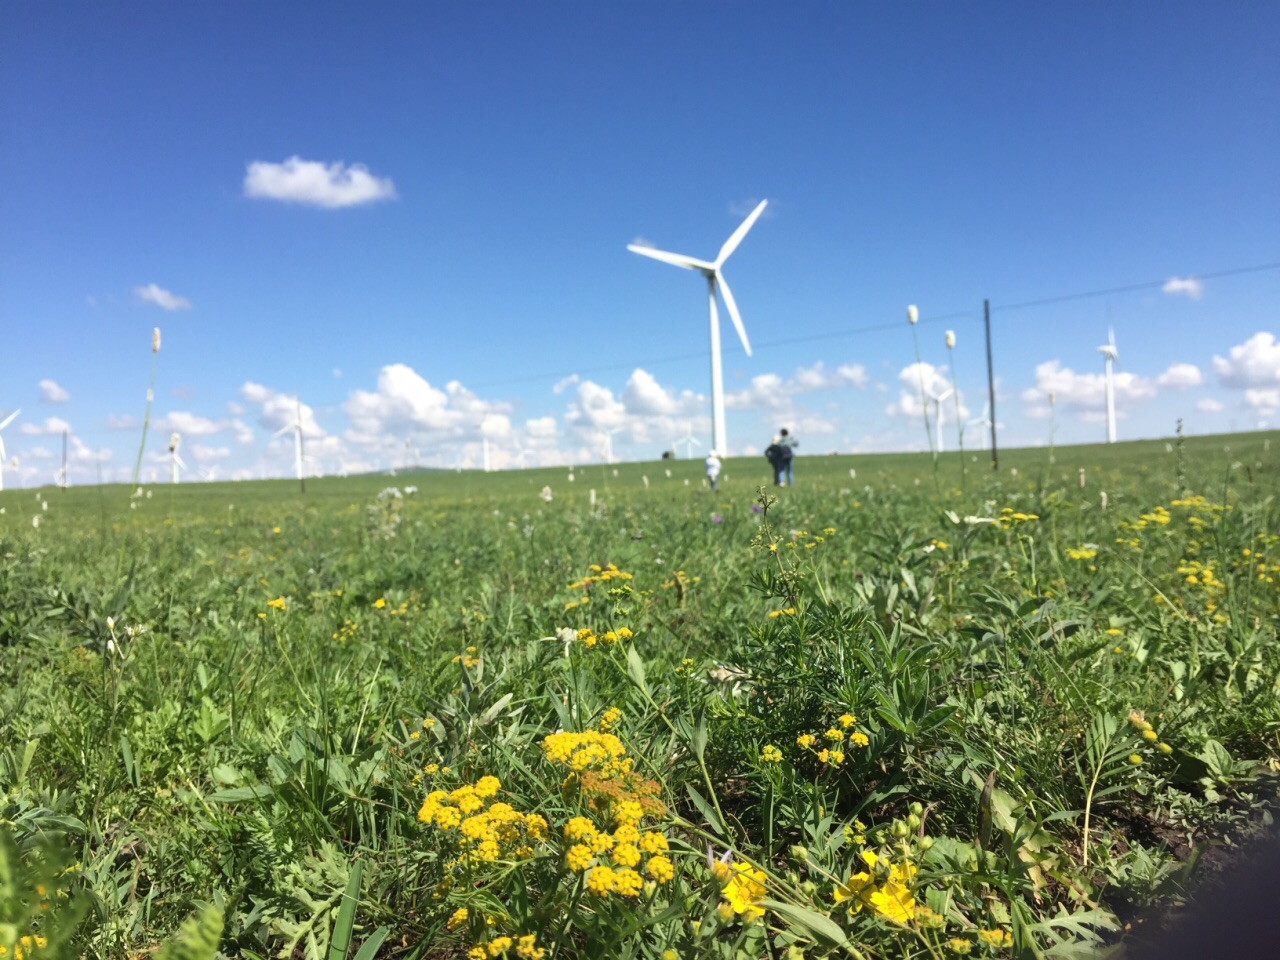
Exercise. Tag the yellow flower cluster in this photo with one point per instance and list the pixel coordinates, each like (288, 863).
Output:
(1158, 516)
(589, 638)
(742, 888)
(525, 947)
(1011, 518)
(996, 939)
(600, 574)
(1082, 553)
(611, 852)
(1139, 721)
(468, 659)
(770, 754)
(279, 603)
(485, 830)
(346, 631)
(787, 612)
(589, 750)
(26, 947)
(829, 746)
(679, 578)
(884, 887)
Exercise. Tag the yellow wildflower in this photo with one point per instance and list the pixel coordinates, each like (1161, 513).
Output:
(600, 881)
(661, 869)
(770, 754)
(996, 938)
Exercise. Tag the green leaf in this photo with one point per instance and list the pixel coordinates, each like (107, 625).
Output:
(708, 812)
(635, 670)
(808, 922)
(259, 791)
(369, 949)
(342, 927)
(197, 938)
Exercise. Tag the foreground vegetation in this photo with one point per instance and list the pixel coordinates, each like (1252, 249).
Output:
(899, 711)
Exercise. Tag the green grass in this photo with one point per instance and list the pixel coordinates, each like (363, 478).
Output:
(187, 744)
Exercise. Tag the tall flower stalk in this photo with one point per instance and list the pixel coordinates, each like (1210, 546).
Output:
(913, 317)
(151, 392)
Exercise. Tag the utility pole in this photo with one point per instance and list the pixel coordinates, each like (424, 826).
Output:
(991, 384)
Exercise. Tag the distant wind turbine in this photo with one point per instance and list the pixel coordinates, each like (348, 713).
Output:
(715, 280)
(1108, 351)
(175, 461)
(937, 399)
(7, 420)
(689, 443)
(608, 443)
(296, 427)
(983, 422)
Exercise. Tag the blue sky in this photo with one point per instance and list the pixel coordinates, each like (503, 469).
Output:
(445, 258)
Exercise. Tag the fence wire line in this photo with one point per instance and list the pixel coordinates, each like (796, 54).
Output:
(973, 314)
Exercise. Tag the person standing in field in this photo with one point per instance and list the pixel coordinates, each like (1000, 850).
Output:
(713, 469)
(773, 453)
(786, 453)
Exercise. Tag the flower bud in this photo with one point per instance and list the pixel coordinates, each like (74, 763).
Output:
(924, 843)
(917, 808)
(913, 315)
(900, 829)
(155, 340)
(913, 822)
(799, 852)
(951, 339)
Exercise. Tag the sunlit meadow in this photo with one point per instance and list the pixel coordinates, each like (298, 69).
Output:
(907, 708)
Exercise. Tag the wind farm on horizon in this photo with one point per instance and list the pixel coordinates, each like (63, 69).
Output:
(934, 393)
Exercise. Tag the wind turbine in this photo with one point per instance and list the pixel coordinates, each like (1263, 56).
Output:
(7, 420)
(937, 399)
(175, 461)
(688, 441)
(608, 443)
(1108, 351)
(715, 280)
(983, 421)
(296, 427)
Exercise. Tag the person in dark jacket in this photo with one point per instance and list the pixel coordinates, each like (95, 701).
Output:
(786, 453)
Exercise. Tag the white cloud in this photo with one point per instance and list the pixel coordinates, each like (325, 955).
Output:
(123, 422)
(563, 385)
(316, 184)
(242, 432)
(1180, 375)
(1183, 287)
(1209, 405)
(161, 297)
(644, 396)
(50, 392)
(187, 424)
(277, 410)
(80, 452)
(769, 391)
(50, 427)
(206, 454)
(1085, 393)
(1266, 401)
(1254, 363)
(405, 404)
(934, 381)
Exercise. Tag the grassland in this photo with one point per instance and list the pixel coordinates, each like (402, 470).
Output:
(900, 711)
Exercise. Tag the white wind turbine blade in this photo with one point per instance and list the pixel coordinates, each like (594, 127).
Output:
(1111, 342)
(675, 259)
(285, 429)
(9, 419)
(2, 454)
(731, 244)
(178, 460)
(732, 306)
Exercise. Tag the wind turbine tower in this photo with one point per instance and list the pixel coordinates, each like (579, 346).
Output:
(7, 420)
(1108, 351)
(296, 427)
(175, 461)
(937, 399)
(715, 281)
(608, 443)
